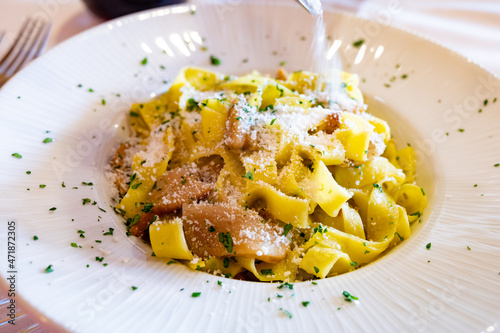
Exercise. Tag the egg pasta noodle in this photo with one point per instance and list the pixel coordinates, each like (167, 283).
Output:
(262, 178)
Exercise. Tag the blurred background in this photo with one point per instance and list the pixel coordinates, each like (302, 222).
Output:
(470, 27)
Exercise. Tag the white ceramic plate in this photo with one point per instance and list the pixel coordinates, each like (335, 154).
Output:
(445, 288)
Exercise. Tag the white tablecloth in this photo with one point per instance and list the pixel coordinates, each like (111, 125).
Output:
(469, 27)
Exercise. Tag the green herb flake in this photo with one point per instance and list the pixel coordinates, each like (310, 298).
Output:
(211, 228)
(17, 155)
(306, 303)
(214, 60)
(378, 187)
(100, 259)
(485, 102)
(227, 241)
(283, 63)
(272, 121)
(219, 282)
(35, 237)
(86, 201)
(354, 264)
(248, 175)
(358, 43)
(267, 272)
(286, 285)
(136, 186)
(88, 184)
(428, 246)
(49, 269)
(74, 245)
(287, 228)
(134, 288)
(496, 165)
(287, 313)
(196, 294)
(314, 283)
(42, 186)
(316, 269)
(52, 209)
(348, 297)
(47, 140)
(461, 130)
(144, 61)
(109, 233)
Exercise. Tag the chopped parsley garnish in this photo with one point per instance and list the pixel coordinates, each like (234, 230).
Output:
(227, 241)
(314, 283)
(197, 294)
(103, 101)
(134, 114)
(348, 297)
(192, 105)
(267, 272)
(358, 43)
(272, 121)
(468, 248)
(28, 172)
(496, 165)
(147, 207)
(428, 246)
(136, 186)
(287, 313)
(35, 237)
(225, 262)
(219, 282)
(100, 259)
(211, 228)
(42, 185)
(316, 269)
(287, 228)
(144, 61)
(134, 288)
(52, 209)
(377, 186)
(306, 303)
(283, 63)
(49, 269)
(320, 229)
(485, 102)
(286, 285)
(17, 155)
(354, 264)
(88, 184)
(461, 130)
(74, 245)
(109, 233)
(47, 140)
(248, 175)
(214, 60)
(86, 201)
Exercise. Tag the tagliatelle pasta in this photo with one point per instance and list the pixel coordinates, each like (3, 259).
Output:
(264, 179)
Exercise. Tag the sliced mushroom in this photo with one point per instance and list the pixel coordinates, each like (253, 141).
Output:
(175, 188)
(119, 169)
(237, 134)
(141, 226)
(224, 230)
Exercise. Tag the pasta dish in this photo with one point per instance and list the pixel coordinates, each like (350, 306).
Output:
(261, 178)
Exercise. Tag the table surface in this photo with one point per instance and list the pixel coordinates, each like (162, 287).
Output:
(471, 28)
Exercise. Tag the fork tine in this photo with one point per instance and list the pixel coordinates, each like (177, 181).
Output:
(34, 48)
(16, 42)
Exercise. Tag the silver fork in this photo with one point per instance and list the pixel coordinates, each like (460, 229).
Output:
(29, 44)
